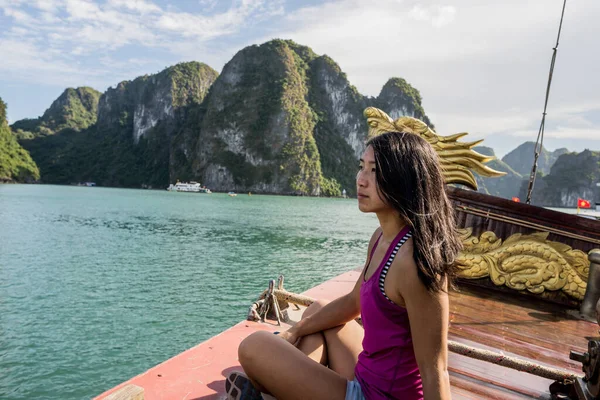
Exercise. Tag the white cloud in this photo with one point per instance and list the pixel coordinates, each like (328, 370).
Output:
(208, 5)
(481, 67)
(560, 132)
(135, 5)
(83, 9)
(563, 123)
(27, 53)
(18, 15)
(67, 30)
(112, 63)
(46, 5)
(49, 18)
(11, 3)
(208, 27)
(18, 31)
(567, 122)
(437, 16)
(478, 125)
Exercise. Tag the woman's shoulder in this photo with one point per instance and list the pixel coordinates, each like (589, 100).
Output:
(375, 235)
(373, 239)
(405, 266)
(377, 232)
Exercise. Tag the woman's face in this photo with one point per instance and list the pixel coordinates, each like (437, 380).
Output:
(366, 184)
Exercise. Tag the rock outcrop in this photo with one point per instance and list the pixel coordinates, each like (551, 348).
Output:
(16, 164)
(278, 119)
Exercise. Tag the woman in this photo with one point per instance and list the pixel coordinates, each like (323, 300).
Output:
(401, 295)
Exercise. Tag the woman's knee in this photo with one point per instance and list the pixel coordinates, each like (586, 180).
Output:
(314, 307)
(252, 346)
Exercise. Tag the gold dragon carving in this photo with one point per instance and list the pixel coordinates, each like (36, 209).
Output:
(524, 262)
(521, 262)
(458, 159)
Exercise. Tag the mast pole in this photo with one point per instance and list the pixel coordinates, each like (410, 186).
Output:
(539, 143)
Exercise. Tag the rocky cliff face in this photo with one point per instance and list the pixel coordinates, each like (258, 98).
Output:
(16, 164)
(256, 133)
(130, 142)
(279, 119)
(521, 159)
(561, 179)
(506, 186)
(148, 100)
(573, 176)
(340, 128)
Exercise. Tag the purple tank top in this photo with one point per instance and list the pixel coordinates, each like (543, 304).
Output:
(387, 367)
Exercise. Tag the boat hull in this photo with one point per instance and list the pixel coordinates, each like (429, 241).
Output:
(552, 247)
(536, 331)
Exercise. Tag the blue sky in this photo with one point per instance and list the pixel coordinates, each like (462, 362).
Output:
(480, 66)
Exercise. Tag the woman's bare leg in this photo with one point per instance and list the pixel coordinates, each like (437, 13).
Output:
(337, 348)
(314, 345)
(285, 372)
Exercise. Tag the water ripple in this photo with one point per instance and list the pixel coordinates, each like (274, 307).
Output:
(98, 285)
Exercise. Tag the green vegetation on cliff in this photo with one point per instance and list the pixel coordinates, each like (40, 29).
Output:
(190, 82)
(338, 158)
(257, 127)
(238, 115)
(279, 119)
(400, 95)
(130, 143)
(15, 162)
(74, 109)
(301, 154)
(572, 176)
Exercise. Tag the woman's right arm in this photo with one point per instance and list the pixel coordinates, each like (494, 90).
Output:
(338, 312)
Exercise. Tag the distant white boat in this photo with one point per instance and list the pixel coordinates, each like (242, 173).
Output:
(193, 187)
(232, 194)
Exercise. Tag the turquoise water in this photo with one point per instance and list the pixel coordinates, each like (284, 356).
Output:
(97, 285)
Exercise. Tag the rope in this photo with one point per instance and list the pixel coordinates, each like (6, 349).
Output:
(284, 295)
(540, 137)
(459, 348)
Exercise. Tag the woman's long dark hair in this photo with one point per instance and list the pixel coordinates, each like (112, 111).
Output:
(410, 179)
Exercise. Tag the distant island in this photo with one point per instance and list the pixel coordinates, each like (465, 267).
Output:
(278, 119)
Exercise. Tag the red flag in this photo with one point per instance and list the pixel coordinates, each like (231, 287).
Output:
(581, 203)
(516, 199)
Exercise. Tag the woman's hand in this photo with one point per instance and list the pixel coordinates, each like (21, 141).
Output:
(290, 336)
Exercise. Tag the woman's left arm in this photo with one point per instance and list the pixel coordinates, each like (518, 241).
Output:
(428, 314)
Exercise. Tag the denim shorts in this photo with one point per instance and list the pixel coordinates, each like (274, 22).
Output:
(353, 391)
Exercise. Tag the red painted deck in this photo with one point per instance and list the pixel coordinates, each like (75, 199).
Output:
(494, 321)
